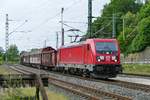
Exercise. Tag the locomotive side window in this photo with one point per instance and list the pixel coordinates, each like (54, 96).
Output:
(104, 47)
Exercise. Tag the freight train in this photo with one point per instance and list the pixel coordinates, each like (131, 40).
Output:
(98, 58)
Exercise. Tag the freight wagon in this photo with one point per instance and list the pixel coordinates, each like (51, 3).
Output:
(43, 58)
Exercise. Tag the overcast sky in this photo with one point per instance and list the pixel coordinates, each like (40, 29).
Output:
(43, 20)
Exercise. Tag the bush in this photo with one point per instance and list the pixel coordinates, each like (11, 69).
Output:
(138, 43)
(144, 28)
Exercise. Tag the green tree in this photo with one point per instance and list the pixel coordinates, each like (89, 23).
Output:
(130, 31)
(117, 7)
(1, 55)
(13, 54)
(144, 29)
(137, 38)
(144, 12)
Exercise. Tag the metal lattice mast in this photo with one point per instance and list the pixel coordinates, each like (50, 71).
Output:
(114, 26)
(89, 17)
(6, 37)
(62, 28)
(56, 40)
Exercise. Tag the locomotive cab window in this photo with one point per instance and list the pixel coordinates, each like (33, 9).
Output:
(106, 47)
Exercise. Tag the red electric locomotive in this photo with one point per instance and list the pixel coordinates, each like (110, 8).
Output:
(96, 57)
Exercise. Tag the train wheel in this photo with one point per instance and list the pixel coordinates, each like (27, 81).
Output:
(86, 73)
(91, 76)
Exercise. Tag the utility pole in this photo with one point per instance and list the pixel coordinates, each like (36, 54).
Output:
(62, 28)
(6, 37)
(44, 43)
(114, 26)
(89, 17)
(7, 34)
(123, 28)
(56, 40)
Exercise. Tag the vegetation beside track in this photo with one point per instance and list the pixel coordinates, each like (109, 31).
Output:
(5, 70)
(12, 55)
(142, 69)
(17, 93)
(56, 96)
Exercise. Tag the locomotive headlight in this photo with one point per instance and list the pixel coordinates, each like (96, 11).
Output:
(102, 57)
(113, 57)
(98, 60)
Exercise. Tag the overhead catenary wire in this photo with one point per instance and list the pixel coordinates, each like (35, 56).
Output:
(97, 32)
(53, 17)
(78, 22)
(73, 27)
(18, 27)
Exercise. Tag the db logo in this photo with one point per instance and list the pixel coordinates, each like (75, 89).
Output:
(107, 58)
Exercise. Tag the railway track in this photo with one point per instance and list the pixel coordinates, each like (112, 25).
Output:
(124, 84)
(135, 86)
(130, 85)
(92, 94)
(134, 75)
(37, 80)
(20, 70)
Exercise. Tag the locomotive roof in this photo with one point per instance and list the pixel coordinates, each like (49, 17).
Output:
(83, 42)
(109, 39)
(72, 44)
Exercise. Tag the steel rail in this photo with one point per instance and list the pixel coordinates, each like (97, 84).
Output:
(87, 91)
(125, 84)
(136, 75)
(20, 70)
(130, 85)
(39, 83)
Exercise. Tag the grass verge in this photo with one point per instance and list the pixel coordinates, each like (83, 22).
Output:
(143, 69)
(56, 96)
(15, 93)
(6, 70)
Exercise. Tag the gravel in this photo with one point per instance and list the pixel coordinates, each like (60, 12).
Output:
(68, 94)
(134, 94)
(134, 79)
